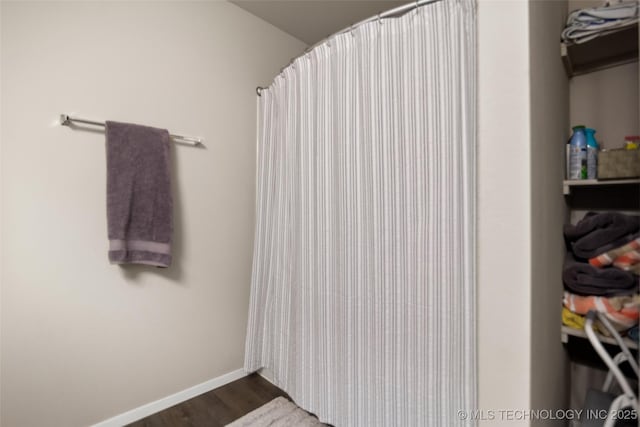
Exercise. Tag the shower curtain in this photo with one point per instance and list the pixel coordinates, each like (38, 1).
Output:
(363, 288)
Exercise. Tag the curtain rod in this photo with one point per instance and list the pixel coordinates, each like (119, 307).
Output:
(388, 14)
(66, 120)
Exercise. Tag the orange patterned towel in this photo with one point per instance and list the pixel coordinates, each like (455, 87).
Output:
(621, 311)
(627, 260)
(612, 256)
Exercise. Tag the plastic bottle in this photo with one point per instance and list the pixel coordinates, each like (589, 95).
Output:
(578, 154)
(592, 154)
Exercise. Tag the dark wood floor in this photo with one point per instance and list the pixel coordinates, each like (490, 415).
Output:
(218, 407)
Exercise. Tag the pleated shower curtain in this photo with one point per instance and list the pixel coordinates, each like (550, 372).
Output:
(363, 289)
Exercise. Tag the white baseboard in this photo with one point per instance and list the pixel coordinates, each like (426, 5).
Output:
(169, 401)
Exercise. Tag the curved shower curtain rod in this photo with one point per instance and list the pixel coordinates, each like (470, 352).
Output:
(388, 14)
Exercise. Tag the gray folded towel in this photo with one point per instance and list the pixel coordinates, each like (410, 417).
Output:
(598, 233)
(139, 202)
(584, 279)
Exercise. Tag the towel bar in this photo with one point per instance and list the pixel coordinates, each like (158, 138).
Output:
(66, 120)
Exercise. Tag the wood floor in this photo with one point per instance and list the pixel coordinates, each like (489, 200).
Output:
(217, 407)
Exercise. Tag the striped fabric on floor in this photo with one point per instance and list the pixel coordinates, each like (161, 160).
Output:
(280, 412)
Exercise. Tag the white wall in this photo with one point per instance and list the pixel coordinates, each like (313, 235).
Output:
(607, 101)
(549, 118)
(504, 208)
(83, 340)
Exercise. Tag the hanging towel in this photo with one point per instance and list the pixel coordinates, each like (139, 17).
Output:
(139, 202)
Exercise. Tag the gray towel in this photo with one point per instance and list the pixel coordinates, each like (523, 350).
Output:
(584, 279)
(139, 202)
(598, 233)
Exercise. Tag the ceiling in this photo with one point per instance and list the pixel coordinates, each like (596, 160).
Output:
(313, 20)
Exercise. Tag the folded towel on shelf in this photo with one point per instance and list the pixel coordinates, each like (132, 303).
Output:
(633, 269)
(598, 233)
(572, 320)
(628, 260)
(584, 279)
(139, 202)
(621, 311)
(577, 321)
(607, 258)
(586, 24)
